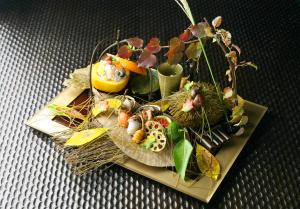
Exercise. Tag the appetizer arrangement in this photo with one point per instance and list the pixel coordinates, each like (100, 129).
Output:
(154, 112)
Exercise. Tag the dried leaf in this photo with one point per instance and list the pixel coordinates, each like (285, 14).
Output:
(125, 52)
(136, 42)
(238, 49)
(228, 73)
(181, 155)
(225, 36)
(187, 106)
(232, 56)
(83, 137)
(202, 29)
(147, 59)
(207, 163)
(154, 45)
(217, 22)
(193, 51)
(251, 64)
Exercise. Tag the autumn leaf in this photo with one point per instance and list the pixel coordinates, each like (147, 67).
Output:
(186, 35)
(207, 163)
(193, 51)
(136, 42)
(175, 51)
(153, 45)
(124, 52)
(146, 59)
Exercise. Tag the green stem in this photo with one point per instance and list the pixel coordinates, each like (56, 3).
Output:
(212, 75)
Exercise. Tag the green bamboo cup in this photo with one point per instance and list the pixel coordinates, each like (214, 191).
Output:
(169, 77)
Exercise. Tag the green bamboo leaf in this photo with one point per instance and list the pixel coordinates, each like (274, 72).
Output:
(181, 155)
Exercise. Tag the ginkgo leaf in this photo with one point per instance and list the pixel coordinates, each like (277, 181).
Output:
(83, 137)
(207, 163)
(136, 42)
(100, 107)
(148, 142)
(114, 103)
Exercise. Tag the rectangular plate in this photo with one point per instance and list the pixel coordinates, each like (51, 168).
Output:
(202, 189)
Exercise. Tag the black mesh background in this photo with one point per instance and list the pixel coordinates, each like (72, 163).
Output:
(42, 41)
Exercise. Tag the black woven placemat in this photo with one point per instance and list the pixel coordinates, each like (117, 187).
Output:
(41, 42)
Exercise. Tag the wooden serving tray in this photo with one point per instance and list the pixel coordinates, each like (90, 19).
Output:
(202, 189)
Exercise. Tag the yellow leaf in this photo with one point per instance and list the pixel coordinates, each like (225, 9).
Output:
(207, 163)
(114, 103)
(83, 137)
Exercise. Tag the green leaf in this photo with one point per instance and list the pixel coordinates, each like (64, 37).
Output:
(181, 155)
(173, 132)
(148, 142)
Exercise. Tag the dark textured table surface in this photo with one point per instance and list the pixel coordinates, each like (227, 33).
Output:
(41, 42)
